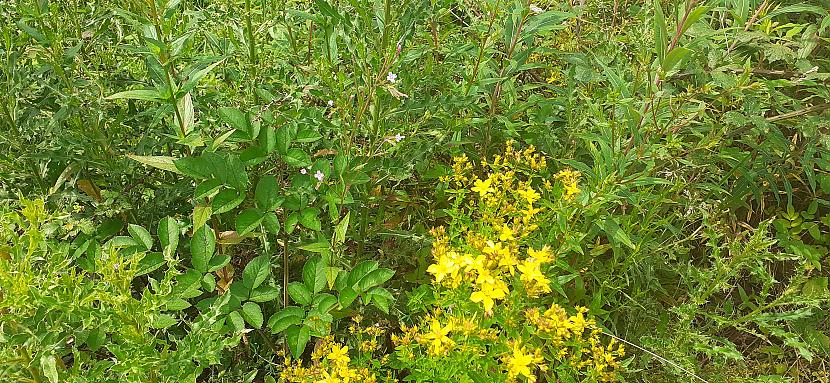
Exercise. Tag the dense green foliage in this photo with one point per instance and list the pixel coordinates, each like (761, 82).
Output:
(412, 190)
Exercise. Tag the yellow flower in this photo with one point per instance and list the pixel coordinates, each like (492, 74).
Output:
(519, 363)
(483, 187)
(506, 233)
(339, 354)
(439, 342)
(530, 195)
(535, 282)
(490, 289)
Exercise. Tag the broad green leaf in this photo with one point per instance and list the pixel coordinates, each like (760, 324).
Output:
(309, 218)
(660, 31)
(307, 135)
(202, 247)
(149, 263)
(168, 233)
(256, 271)
(201, 214)
(297, 338)
(218, 262)
(264, 294)
(252, 314)
(286, 317)
(347, 296)
(137, 94)
(359, 271)
(299, 293)
(297, 158)
(316, 247)
(235, 118)
(196, 167)
(248, 220)
(271, 223)
(158, 162)
(141, 236)
(380, 297)
(267, 194)
(375, 278)
(314, 275)
(324, 302)
(206, 188)
(226, 200)
(237, 321)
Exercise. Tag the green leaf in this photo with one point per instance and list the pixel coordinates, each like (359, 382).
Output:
(268, 194)
(137, 94)
(614, 231)
(314, 275)
(149, 263)
(375, 278)
(218, 262)
(164, 321)
(236, 321)
(202, 247)
(283, 140)
(206, 188)
(316, 247)
(252, 314)
(381, 298)
(248, 220)
(141, 236)
(47, 363)
(271, 223)
(297, 158)
(297, 337)
(324, 302)
(285, 318)
(359, 271)
(226, 200)
(693, 17)
(291, 222)
(201, 214)
(347, 296)
(257, 270)
(660, 31)
(310, 218)
(158, 162)
(235, 118)
(308, 135)
(674, 57)
(196, 167)
(264, 294)
(168, 232)
(340, 230)
(299, 293)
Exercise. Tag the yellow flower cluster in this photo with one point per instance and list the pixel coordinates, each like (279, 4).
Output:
(570, 180)
(561, 329)
(330, 364)
(521, 362)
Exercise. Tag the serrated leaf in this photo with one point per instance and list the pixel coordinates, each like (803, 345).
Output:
(256, 271)
(309, 218)
(226, 200)
(252, 314)
(299, 293)
(235, 118)
(248, 220)
(206, 188)
(168, 233)
(141, 236)
(307, 135)
(347, 296)
(267, 193)
(202, 247)
(149, 263)
(359, 271)
(286, 317)
(297, 338)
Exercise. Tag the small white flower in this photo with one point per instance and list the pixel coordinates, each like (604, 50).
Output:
(303, 171)
(330, 103)
(399, 137)
(319, 176)
(535, 9)
(116, 266)
(391, 77)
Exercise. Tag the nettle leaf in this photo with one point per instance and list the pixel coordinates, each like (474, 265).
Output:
(297, 337)
(285, 318)
(267, 194)
(168, 233)
(141, 236)
(226, 200)
(299, 293)
(257, 270)
(202, 247)
(248, 220)
(252, 314)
